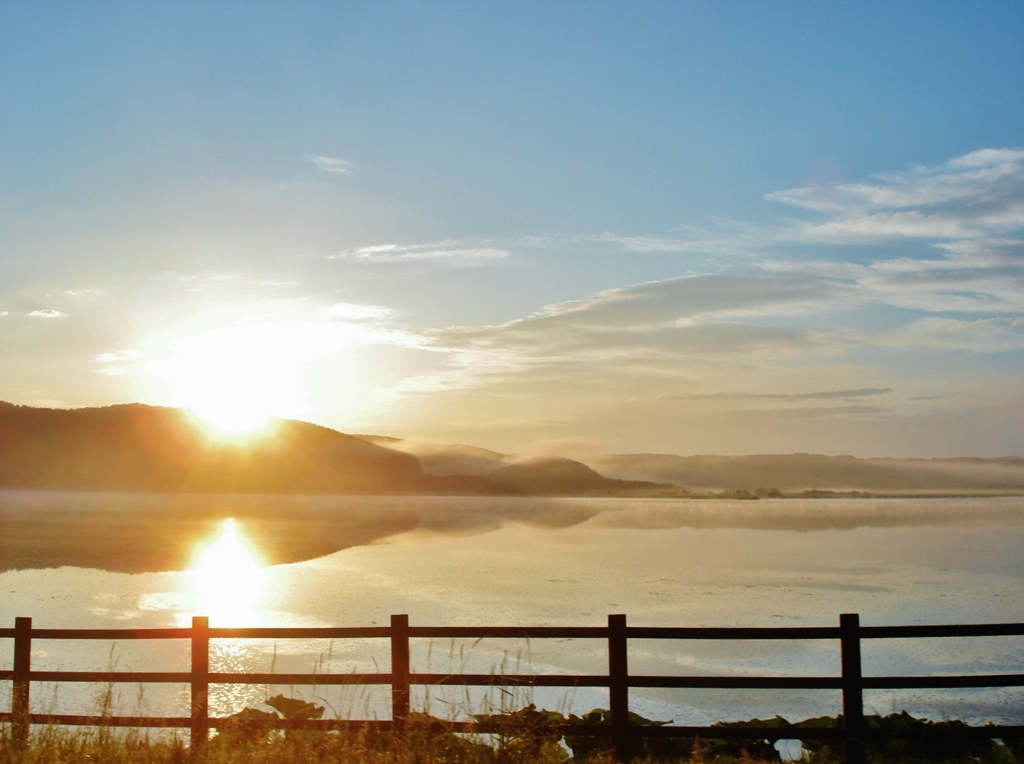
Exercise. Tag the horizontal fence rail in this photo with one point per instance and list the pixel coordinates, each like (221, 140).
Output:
(624, 736)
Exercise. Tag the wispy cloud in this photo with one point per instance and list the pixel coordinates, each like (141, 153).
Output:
(727, 237)
(987, 335)
(453, 253)
(47, 313)
(970, 211)
(656, 334)
(976, 195)
(647, 243)
(354, 312)
(820, 395)
(787, 316)
(930, 285)
(636, 314)
(333, 165)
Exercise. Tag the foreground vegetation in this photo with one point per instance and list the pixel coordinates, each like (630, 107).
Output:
(65, 746)
(525, 736)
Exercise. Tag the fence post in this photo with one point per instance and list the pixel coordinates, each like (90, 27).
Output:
(200, 717)
(618, 687)
(20, 690)
(853, 687)
(399, 673)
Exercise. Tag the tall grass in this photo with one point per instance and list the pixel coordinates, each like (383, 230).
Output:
(62, 745)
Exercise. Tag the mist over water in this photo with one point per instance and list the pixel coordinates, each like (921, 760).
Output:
(136, 533)
(88, 560)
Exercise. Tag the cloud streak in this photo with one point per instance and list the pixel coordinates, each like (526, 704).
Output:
(450, 253)
(47, 313)
(820, 395)
(889, 278)
(333, 165)
(970, 211)
(353, 312)
(980, 194)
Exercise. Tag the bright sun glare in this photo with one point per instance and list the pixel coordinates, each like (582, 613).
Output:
(227, 578)
(232, 421)
(236, 378)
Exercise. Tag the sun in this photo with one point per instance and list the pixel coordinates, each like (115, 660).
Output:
(241, 376)
(227, 421)
(236, 378)
(227, 577)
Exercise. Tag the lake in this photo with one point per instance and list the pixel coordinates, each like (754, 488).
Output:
(122, 560)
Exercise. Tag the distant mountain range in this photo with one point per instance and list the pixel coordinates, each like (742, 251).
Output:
(134, 447)
(764, 474)
(810, 472)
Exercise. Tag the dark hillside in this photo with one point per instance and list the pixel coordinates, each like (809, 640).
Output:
(152, 449)
(549, 476)
(446, 458)
(145, 448)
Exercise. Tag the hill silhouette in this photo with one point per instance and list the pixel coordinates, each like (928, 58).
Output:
(446, 458)
(134, 447)
(557, 476)
(794, 474)
(552, 476)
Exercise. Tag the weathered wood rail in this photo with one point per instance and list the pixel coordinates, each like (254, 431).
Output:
(618, 680)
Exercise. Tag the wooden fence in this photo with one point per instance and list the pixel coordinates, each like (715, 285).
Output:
(618, 680)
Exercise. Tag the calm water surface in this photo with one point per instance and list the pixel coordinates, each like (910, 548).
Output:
(70, 560)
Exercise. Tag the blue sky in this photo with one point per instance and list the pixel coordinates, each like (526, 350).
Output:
(690, 227)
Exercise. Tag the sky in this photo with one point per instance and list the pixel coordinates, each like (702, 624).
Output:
(686, 227)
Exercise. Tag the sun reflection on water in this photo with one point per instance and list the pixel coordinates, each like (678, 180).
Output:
(236, 656)
(228, 579)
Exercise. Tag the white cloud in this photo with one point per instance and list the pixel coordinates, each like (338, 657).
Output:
(728, 237)
(333, 165)
(654, 326)
(989, 335)
(975, 195)
(353, 312)
(126, 354)
(816, 395)
(975, 280)
(988, 158)
(847, 323)
(963, 209)
(888, 225)
(442, 252)
(47, 313)
(119, 363)
(645, 243)
(985, 253)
